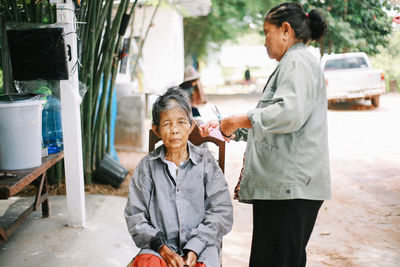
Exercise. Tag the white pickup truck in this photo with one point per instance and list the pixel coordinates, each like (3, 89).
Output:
(349, 76)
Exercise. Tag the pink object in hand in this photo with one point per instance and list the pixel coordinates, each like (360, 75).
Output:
(217, 134)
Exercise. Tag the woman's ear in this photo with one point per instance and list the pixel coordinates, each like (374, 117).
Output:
(286, 30)
(155, 130)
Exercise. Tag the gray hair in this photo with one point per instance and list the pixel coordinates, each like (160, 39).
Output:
(174, 97)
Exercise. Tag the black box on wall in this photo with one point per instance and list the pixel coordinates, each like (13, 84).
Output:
(38, 53)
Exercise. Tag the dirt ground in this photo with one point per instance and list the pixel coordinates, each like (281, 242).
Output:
(360, 225)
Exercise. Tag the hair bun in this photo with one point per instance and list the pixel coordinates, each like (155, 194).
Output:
(317, 24)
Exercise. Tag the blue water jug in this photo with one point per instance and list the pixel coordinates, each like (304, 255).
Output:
(51, 125)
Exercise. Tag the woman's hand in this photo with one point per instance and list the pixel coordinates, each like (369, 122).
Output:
(191, 259)
(230, 124)
(171, 258)
(205, 128)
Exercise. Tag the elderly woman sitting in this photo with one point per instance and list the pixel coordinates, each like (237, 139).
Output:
(179, 206)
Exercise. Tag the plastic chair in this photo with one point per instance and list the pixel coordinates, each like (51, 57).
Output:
(197, 140)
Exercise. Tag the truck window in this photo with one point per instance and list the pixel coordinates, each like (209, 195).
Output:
(346, 63)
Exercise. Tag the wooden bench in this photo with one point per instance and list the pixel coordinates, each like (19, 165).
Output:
(17, 180)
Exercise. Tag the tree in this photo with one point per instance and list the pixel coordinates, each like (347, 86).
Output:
(388, 58)
(226, 21)
(361, 25)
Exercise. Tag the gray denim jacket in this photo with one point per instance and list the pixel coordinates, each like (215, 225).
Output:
(193, 210)
(287, 154)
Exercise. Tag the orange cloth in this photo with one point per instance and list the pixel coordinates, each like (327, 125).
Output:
(149, 260)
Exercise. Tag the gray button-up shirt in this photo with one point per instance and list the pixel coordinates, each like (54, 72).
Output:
(194, 210)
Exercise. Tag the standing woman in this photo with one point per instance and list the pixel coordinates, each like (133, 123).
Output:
(286, 168)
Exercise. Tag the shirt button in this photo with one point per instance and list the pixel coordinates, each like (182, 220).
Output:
(288, 191)
(177, 190)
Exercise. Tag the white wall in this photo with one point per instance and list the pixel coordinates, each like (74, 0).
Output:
(163, 52)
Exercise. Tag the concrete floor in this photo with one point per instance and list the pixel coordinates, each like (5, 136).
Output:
(49, 242)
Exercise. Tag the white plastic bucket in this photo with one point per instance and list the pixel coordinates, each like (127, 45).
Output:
(20, 134)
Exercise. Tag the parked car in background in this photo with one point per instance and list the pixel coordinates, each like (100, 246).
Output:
(349, 77)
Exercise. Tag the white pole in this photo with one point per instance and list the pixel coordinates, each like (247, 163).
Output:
(71, 120)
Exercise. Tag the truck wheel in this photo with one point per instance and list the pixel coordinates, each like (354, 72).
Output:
(375, 100)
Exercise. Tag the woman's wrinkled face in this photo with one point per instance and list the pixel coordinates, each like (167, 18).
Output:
(274, 41)
(174, 128)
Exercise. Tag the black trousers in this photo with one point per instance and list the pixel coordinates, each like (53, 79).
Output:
(281, 230)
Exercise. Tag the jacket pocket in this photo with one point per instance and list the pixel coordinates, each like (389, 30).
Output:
(265, 145)
(259, 157)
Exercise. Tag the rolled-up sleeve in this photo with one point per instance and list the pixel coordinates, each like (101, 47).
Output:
(218, 217)
(241, 134)
(292, 103)
(136, 210)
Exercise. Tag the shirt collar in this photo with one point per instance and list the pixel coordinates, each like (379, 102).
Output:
(194, 154)
(292, 48)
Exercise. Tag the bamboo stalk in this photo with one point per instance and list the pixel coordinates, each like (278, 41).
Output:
(102, 43)
(51, 17)
(107, 45)
(133, 8)
(113, 77)
(101, 63)
(112, 87)
(35, 17)
(102, 18)
(37, 12)
(84, 16)
(111, 35)
(101, 115)
(99, 124)
(88, 115)
(32, 9)
(28, 17)
(98, 10)
(87, 99)
(83, 74)
(82, 12)
(15, 11)
(90, 29)
(40, 7)
(7, 10)
(8, 85)
(85, 40)
(114, 72)
(107, 66)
